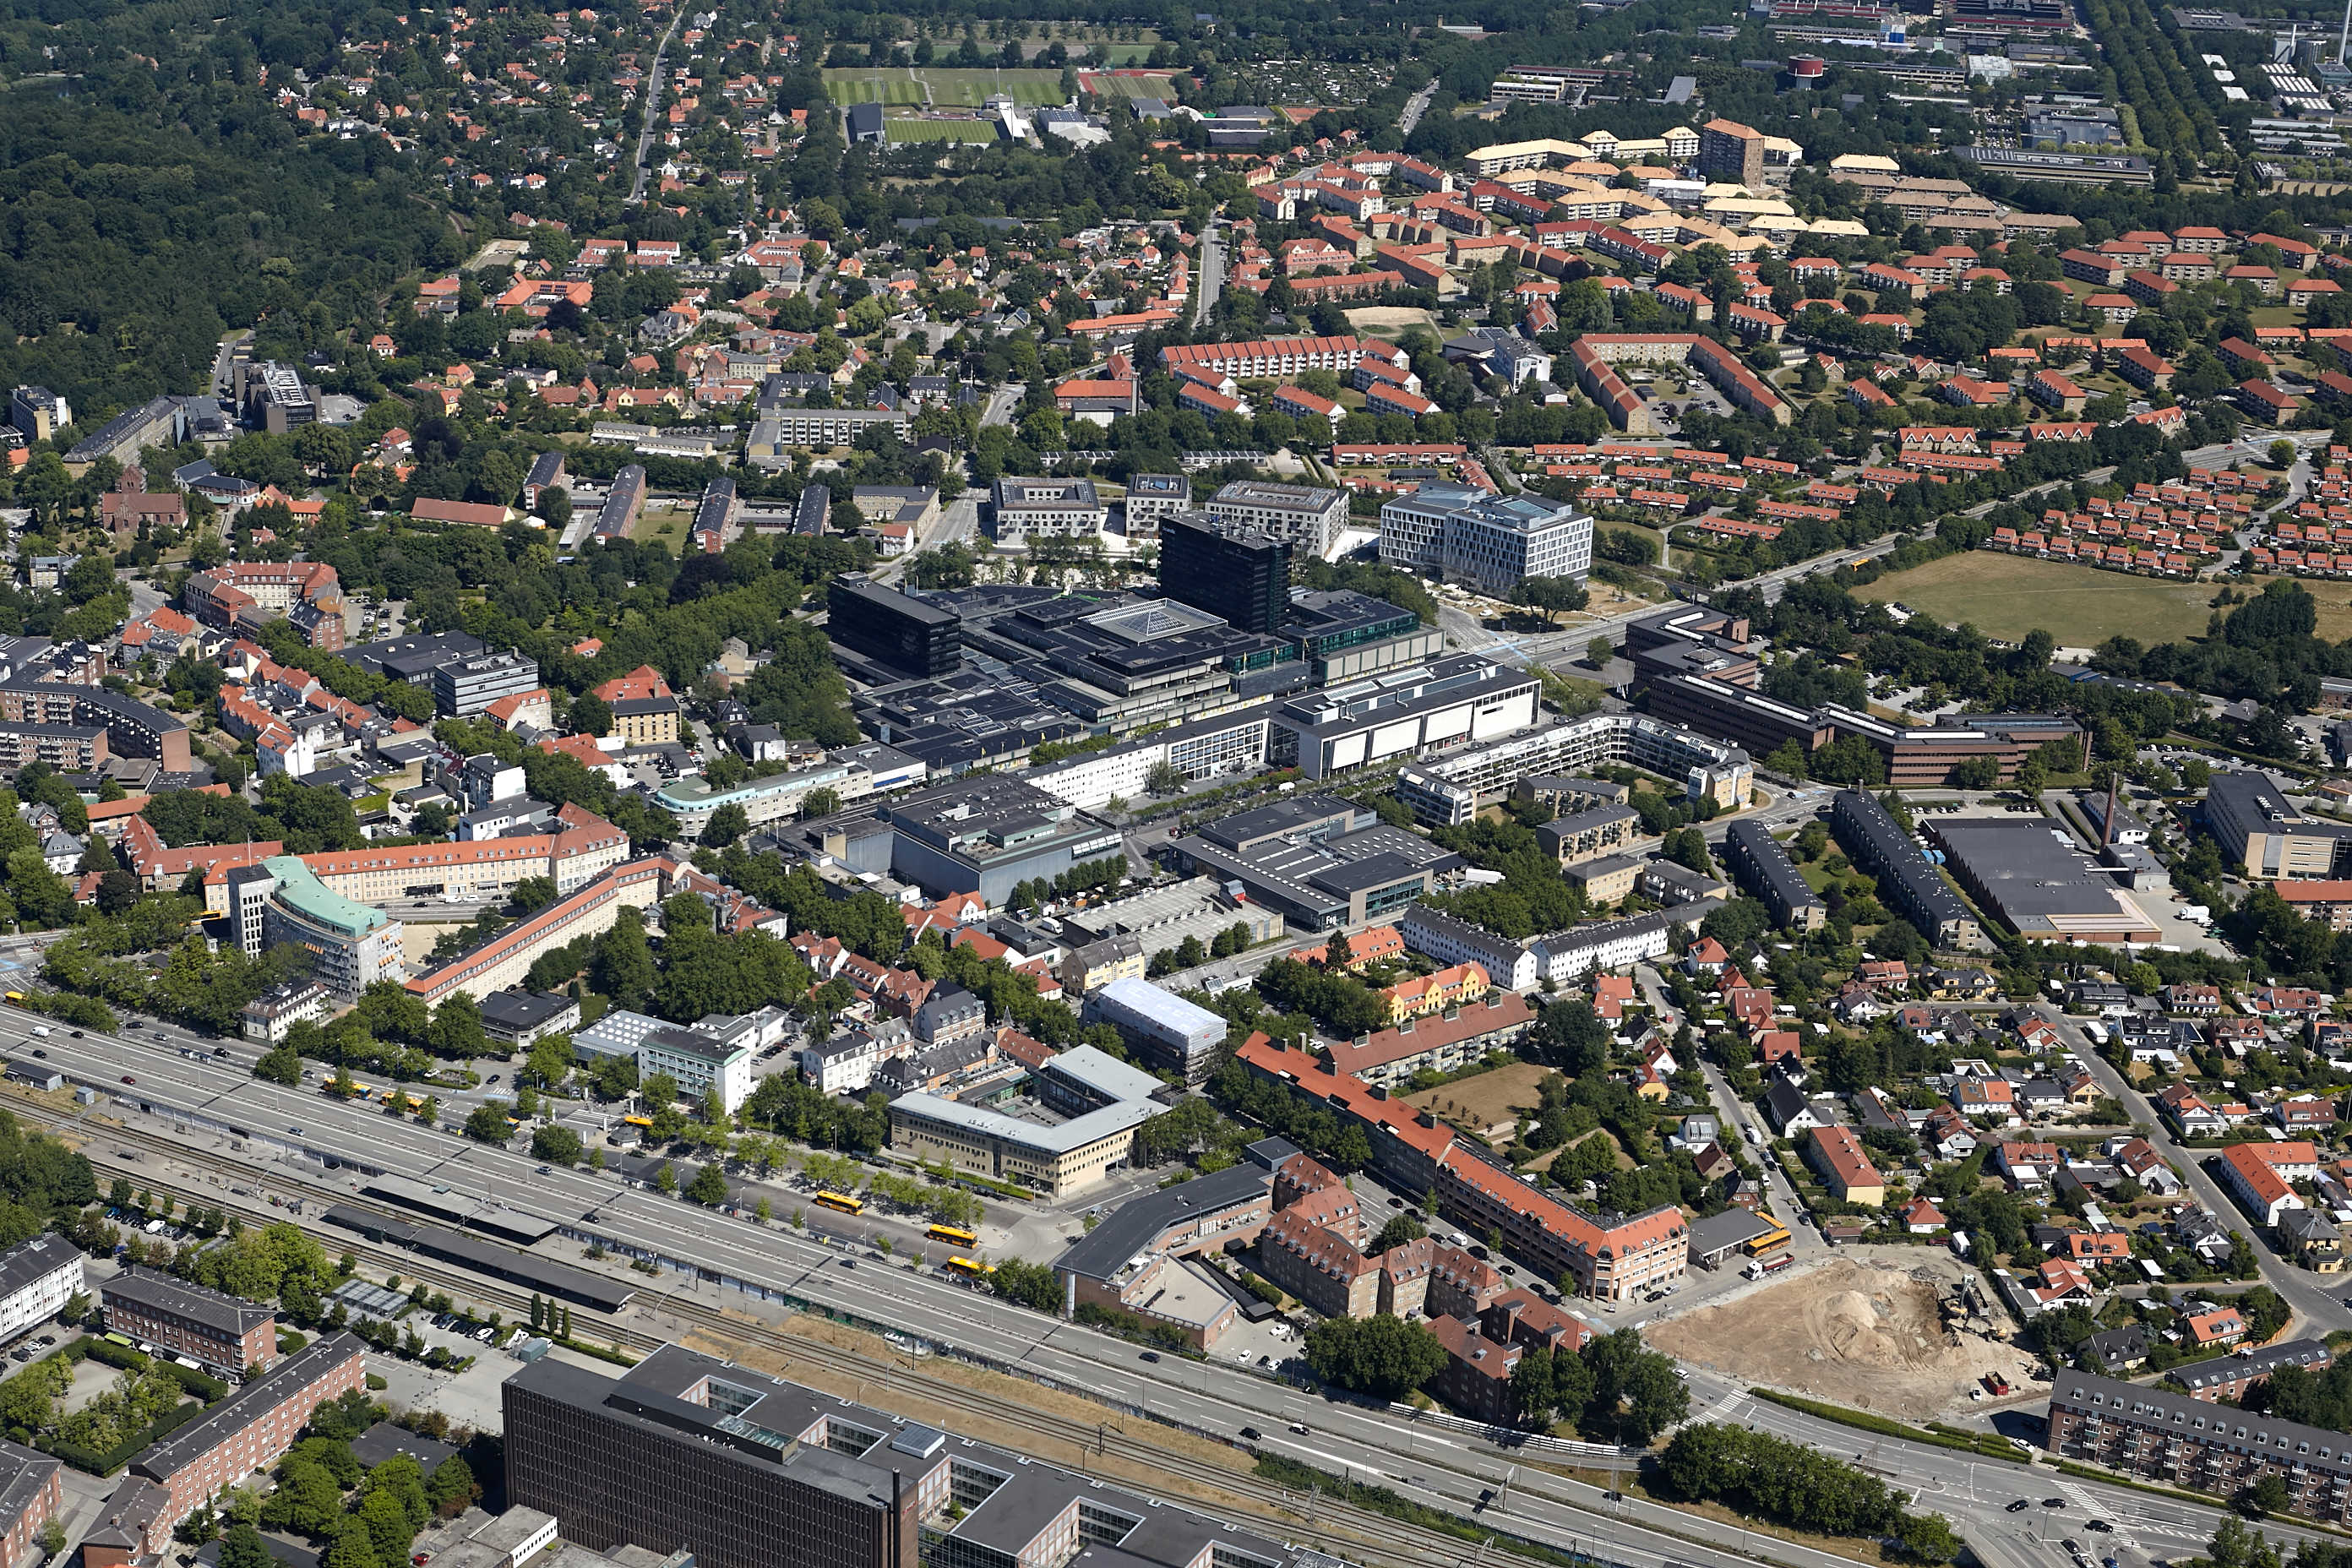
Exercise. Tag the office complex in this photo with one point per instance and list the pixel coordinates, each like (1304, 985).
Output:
(1235, 570)
(271, 397)
(2264, 835)
(464, 687)
(1459, 697)
(1451, 789)
(988, 834)
(1906, 882)
(1302, 517)
(36, 1277)
(715, 1052)
(1102, 1101)
(351, 946)
(1319, 860)
(1763, 869)
(894, 628)
(690, 1454)
(2161, 1435)
(229, 1335)
(1490, 543)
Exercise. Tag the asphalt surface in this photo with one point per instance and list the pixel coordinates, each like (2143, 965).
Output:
(652, 101)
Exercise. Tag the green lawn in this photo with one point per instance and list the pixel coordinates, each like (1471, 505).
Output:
(951, 86)
(939, 130)
(1160, 84)
(2007, 596)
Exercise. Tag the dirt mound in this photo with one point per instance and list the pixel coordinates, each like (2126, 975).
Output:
(1849, 1331)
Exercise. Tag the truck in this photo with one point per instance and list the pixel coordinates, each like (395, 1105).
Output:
(1759, 1266)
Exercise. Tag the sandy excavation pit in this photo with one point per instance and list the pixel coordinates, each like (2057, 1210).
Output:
(1889, 1335)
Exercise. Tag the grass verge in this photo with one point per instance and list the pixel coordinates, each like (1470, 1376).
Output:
(1937, 1435)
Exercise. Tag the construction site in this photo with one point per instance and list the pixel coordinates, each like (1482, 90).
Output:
(1903, 1331)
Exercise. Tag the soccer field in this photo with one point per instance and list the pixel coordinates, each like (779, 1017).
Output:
(899, 131)
(951, 86)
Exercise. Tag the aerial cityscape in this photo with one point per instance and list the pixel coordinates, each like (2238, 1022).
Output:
(1311, 786)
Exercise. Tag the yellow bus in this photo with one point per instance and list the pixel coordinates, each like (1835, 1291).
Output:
(636, 1122)
(1777, 1236)
(963, 1238)
(15, 995)
(971, 1267)
(840, 1202)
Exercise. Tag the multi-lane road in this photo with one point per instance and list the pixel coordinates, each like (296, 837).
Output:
(707, 1256)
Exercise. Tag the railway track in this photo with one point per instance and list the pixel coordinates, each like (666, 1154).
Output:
(1342, 1529)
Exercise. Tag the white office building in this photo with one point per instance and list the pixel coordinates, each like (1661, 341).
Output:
(1490, 543)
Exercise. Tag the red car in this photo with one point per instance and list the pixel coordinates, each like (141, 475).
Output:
(128, 1079)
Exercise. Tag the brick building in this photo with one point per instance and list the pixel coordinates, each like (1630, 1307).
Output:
(224, 1333)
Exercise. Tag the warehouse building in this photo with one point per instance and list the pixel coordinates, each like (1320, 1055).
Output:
(2029, 876)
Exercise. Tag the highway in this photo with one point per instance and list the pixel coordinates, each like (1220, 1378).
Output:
(190, 1101)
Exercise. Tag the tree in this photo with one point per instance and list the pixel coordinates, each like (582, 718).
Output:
(709, 1188)
(556, 1144)
(488, 1124)
(666, 1179)
(1635, 1391)
(727, 825)
(1164, 777)
(1598, 651)
(591, 716)
(1383, 1356)
(1400, 1229)
(1551, 595)
(822, 801)
(241, 1548)
(278, 1065)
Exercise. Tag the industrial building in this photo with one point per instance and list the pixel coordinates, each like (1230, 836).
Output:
(1907, 883)
(2029, 876)
(1492, 543)
(687, 1452)
(1319, 860)
(988, 834)
(1764, 872)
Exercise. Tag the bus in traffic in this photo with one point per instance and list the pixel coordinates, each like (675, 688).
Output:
(971, 1268)
(841, 1203)
(949, 1233)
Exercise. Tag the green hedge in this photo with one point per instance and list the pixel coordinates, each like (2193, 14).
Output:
(114, 1458)
(289, 1341)
(1937, 1435)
